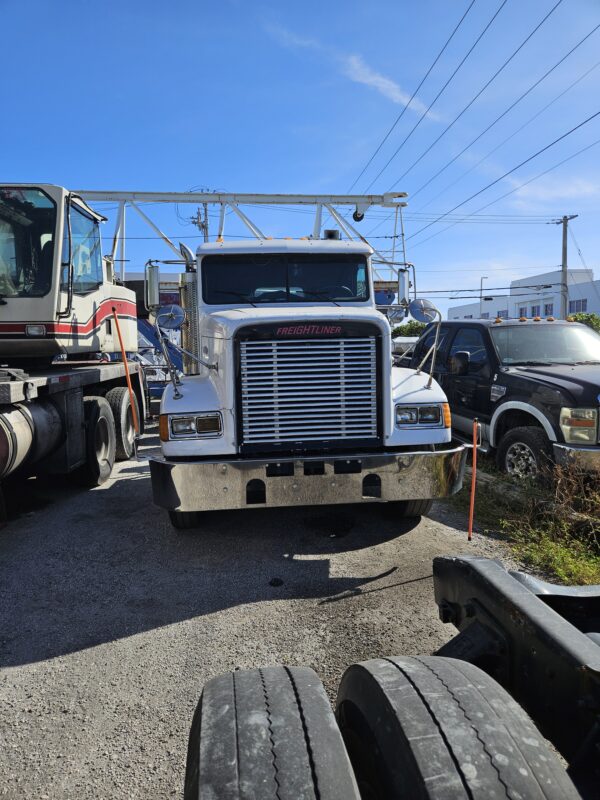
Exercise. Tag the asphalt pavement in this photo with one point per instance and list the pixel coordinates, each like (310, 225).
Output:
(111, 621)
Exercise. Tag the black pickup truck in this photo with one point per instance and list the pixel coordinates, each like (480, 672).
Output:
(534, 385)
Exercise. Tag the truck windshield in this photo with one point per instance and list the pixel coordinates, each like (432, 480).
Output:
(27, 231)
(547, 344)
(266, 278)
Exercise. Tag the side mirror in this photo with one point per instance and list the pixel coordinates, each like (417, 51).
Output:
(459, 362)
(152, 286)
(170, 318)
(423, 310)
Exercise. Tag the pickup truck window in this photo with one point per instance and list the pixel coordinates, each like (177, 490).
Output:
(546, 344)
(470, 340)
(423, 346)
(275, 278)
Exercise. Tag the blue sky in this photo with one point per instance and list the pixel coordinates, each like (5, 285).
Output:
(281, 97)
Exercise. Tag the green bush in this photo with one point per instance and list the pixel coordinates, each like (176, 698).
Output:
(591, 320)
(412, 328)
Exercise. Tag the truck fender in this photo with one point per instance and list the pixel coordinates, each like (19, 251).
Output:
(520, 406)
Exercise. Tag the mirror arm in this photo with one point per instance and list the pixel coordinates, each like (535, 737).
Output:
(435, 344)
(170, 366)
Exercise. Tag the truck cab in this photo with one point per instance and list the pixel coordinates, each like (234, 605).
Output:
(290, 396)
(533, 385)
(57, 292)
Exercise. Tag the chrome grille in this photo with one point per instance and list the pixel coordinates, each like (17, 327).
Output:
(309, 389)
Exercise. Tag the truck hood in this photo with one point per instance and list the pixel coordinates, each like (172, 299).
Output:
(224, 323)
(580, 381)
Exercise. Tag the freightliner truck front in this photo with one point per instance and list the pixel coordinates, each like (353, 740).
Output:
(290, 397)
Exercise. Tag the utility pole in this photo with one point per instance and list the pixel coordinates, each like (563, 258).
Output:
(201, 220)
(564, 286)
(484, 278)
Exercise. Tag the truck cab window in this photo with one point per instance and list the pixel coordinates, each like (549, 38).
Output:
(27, 231)
(85, 252)
(470, 340)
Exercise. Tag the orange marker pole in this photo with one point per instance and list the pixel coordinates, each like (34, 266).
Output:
(134, 415)
(473, 477)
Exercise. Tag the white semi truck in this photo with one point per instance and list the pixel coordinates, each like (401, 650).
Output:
(61, 409)
(289, 396)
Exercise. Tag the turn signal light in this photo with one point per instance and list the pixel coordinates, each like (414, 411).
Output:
(163, 427)
(447, 415)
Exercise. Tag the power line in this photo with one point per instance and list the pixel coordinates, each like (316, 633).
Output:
(401, 114)
(479, 93)
(517, 188)
(498, 118)
(438, 95)
(510, 171)
(512, 135)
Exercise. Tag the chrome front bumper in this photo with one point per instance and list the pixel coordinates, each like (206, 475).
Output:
(377, 477)
(586, 457)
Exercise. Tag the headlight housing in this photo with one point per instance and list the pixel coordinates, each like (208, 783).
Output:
(417, 416)
(579, 425)
(191, 426)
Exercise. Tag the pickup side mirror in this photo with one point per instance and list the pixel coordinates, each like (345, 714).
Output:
(459, 362)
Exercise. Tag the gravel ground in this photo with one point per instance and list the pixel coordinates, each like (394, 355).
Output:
(111, 621)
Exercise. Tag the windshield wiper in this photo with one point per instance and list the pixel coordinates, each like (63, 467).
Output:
(241, 296)
(319, 296)
(586, 362)
(530, 364)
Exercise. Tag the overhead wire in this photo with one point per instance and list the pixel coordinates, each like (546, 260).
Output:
(438, 95)
(498, 118)
(509, 172)
(511, 136)
(412, 97)
(516, 188)
(477, 95)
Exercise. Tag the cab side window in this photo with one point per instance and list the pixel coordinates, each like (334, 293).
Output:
(471, 341)
(86, 253)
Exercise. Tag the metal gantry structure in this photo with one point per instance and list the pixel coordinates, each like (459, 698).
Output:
(228, 201)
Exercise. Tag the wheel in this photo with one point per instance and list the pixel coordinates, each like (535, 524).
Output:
(433, 728)
(120, 403)
(407, 509)
(524, 452)
(100, 442)
(267, 733)
(184, 520)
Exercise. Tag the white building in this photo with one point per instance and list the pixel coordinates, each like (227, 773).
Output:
(535, 296)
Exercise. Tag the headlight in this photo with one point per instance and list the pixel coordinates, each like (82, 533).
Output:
(579, 425)
(437, 416)
(190, 426)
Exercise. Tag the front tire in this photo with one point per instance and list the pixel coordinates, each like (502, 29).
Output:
(184, 520)
(524, 453)
(410, 509)
(434, 728)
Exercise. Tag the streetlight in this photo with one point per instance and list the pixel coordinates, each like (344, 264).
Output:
(485, 277)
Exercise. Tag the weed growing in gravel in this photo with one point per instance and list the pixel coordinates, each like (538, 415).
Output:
(554, 527)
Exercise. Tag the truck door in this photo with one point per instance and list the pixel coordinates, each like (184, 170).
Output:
(469, 393)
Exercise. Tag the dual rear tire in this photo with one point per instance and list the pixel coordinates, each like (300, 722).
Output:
(431, 728)
(109, 435)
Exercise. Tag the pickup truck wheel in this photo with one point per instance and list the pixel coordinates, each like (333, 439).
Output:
(267, 733)
(408, 509)
(100, 442)
(184, 520)
(433, 728)
(524, 452)
(120, 403)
